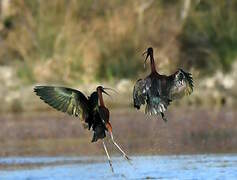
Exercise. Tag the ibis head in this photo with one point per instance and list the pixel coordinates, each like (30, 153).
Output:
(101, 90)
(148, 52)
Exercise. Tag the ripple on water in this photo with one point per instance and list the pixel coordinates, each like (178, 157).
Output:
(144, 167)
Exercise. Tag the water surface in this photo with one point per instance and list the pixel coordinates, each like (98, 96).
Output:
(222, 166)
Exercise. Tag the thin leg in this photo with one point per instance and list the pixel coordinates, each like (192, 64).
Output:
(110, 163)
(124, 154)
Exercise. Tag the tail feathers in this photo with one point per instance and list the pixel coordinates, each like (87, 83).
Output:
(156, 109)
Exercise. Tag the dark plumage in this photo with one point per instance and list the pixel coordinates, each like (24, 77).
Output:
(91, 111)
(76, 104)
(157, 91)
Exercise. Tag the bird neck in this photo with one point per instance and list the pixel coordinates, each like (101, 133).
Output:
(153, 66)
(101, 99)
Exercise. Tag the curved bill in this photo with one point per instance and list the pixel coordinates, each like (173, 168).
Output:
(105, 92)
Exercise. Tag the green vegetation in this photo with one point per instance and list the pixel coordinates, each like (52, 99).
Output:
(208, 38)
(74, 40)
(25, 73)
(113, 63)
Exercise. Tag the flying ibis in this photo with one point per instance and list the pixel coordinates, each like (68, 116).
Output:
(91, 111)
(157, 91)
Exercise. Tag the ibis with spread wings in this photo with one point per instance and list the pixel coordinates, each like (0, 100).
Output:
(90, 110)
(157, 91)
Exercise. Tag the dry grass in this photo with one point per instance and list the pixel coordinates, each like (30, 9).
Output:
(71, 41)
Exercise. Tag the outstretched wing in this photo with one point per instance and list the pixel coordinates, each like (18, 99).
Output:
(181, 84)
(140, 91)
(65, 99)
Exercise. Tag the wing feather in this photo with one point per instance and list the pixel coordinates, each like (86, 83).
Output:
(68, 100)
(182, 84)
(140, 91)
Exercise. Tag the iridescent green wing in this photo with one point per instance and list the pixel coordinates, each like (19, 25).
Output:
(68, 100)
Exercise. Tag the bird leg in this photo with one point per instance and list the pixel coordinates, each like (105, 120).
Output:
(124, 154)
(110, 163)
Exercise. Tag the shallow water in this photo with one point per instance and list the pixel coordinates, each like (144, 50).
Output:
(222, 166)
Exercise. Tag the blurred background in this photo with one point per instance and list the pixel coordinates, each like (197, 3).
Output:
(82, 44)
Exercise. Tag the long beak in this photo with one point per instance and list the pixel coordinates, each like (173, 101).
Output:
(147, 55)
(105, 92)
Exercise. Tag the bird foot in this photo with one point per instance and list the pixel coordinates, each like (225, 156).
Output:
(128, 158)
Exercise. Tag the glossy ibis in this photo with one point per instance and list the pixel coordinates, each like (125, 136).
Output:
(157, 91)
(91, 111)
